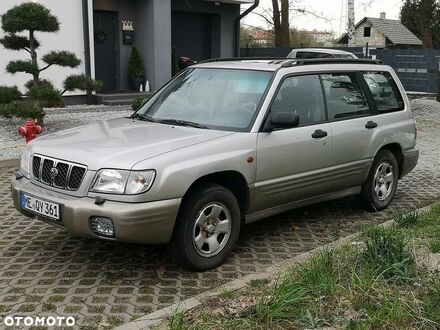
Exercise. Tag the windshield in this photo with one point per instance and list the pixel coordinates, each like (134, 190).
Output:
(210, 98)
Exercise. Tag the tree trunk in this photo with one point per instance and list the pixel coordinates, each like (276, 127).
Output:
(281, 23)
(425, 26)
(276, 23)
(285, 24)
(33, 55)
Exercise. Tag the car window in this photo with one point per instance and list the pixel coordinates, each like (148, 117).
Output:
(345, 97)
(312, 55)
(301, 95)
(222, 99)
(384, 90)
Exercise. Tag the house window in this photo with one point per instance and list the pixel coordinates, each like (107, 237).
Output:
(367, 32)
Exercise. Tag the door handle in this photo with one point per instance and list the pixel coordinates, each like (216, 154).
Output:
(371, 125)
(319, 134)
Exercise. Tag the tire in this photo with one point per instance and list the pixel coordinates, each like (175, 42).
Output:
(207, 228)
(381, 185)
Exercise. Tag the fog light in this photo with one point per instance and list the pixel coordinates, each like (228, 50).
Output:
(103, 226)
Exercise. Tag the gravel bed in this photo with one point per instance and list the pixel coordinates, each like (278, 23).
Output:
(427, 116)
(12, 144)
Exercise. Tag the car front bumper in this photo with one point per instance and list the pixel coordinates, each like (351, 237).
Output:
(146, 223)
(410, 160)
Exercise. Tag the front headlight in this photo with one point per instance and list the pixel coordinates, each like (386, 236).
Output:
(123, 182)
(25, 161)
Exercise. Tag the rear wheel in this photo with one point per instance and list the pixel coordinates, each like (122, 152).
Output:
(381, 185)
(207, 228)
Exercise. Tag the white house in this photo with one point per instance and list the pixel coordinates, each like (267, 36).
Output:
(382, 33)
(102, 33)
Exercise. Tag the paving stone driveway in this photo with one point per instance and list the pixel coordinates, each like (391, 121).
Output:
(45, 271)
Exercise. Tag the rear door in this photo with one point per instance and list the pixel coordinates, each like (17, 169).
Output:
(349, 112)
(294, 164)
(356, 105)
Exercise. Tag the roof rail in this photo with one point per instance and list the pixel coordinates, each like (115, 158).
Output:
(308, 61)
(231, 59)
(288, 62)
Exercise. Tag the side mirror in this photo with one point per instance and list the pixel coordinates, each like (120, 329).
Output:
(282, 120)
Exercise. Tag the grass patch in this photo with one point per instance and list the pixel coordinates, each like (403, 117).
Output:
(373, 284)
(260, 283)
(387, 252)
(177, 321)
(434, 245)
(226, 294)
(408, 220)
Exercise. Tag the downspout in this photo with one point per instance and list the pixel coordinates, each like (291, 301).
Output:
(85, 10)
(237, 26)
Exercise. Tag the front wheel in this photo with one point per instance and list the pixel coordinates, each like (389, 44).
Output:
(381, 185)
(207, 228)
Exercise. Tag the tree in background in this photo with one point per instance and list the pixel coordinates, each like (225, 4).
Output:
(20, 25)
(281, 23)
(278, 18)
(427, 7)
(423, 20)
(300, 38)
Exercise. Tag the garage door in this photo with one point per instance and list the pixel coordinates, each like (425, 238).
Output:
(191, 34)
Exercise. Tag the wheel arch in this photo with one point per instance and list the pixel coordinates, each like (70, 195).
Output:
(397, 151)
(234, 181)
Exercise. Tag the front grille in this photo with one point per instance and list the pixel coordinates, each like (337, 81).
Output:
(76, 177)
(57, 173)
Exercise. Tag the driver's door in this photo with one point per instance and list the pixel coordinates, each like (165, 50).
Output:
(294, 164)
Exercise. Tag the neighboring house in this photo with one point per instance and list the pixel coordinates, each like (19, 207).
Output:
(382, 33)
(321, 37)
(103, 32)
(262, 38)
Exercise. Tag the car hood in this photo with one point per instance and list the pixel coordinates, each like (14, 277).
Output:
(119, 143)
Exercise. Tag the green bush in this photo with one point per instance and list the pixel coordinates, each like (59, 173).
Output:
(29, 16)
(81, 82)
(22, 66)
(15, 42)
(138, 103)
(136, 68)
(45, 94)
(9, 94)
(21, 110)
(62, 58)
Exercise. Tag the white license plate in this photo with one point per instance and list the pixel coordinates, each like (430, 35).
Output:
(40, 206)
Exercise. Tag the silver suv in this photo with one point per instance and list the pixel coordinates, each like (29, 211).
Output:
(223, 144)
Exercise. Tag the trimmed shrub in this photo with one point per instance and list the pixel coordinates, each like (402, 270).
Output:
(45, 94)
(9, 94)
(21, 110)
(81, 82)
(136, 68)
(138, 103)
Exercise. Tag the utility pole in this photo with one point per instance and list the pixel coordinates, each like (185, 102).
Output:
(351, 31)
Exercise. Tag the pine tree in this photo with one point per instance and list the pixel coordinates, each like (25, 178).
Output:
(20, 25)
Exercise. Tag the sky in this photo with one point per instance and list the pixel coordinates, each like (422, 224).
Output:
(330, 11)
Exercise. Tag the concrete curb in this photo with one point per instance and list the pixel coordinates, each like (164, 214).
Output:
(155, 318)
(13, 162)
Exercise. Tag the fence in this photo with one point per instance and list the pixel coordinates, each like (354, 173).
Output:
(418, 69)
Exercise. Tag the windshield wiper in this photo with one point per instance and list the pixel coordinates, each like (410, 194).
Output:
(142, 117)
(182, 123)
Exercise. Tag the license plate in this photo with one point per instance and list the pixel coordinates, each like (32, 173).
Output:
(40, 206)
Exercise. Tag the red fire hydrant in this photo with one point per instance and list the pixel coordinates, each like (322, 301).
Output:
(30, 130)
